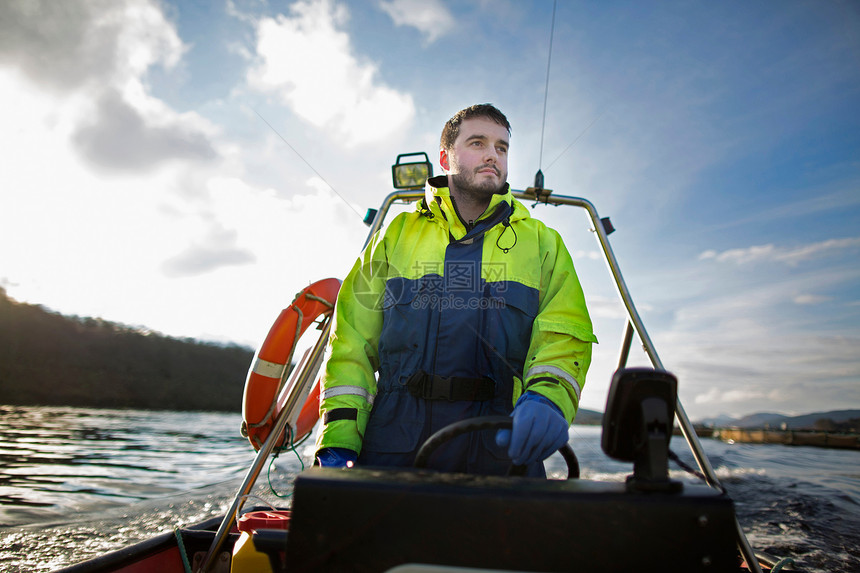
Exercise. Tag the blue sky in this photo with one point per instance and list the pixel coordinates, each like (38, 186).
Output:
(142, 184)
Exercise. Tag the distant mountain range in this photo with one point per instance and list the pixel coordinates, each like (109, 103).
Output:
(817, 420)
(586, 417)
(773, 420)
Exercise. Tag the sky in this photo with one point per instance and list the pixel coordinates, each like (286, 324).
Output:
(187, 167)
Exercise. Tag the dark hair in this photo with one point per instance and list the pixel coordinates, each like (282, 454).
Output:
(452, 126)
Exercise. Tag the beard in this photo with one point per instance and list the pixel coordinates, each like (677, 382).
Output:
(470, 184)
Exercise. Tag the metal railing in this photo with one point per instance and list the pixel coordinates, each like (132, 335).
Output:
(634, 322)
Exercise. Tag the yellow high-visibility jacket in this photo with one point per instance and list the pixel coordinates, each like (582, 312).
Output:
(440, 320)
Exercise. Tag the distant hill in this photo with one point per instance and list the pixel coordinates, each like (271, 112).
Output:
(586, 417)
(55, 360)
(837, 420)
(834, 420)
(815, 420)
(760, 420)
(717, 421)
(48, 359)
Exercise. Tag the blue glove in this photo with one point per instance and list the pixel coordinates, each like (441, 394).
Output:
(539, 429)
(336, 458)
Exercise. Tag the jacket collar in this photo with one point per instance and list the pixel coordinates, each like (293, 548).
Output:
(437, 199)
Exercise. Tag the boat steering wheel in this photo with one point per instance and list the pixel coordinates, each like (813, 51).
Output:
(451, 431)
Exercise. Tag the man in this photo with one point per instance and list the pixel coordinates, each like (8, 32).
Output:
(465, 307)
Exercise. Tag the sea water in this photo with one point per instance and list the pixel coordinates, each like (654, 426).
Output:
(76, 483)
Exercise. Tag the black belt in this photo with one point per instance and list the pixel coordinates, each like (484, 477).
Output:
(453, 388)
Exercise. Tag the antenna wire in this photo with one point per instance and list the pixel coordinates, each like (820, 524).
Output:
(546, 88)
(348, 204)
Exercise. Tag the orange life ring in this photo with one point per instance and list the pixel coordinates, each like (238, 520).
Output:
(268, 370)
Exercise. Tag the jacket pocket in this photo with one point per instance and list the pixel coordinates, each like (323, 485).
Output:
(508, 319)
(506, 334)
(406, 318)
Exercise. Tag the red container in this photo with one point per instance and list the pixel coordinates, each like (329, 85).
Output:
(253, 520)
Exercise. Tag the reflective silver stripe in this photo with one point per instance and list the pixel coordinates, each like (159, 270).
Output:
(346, 391)
(557, 372)
(268, 369)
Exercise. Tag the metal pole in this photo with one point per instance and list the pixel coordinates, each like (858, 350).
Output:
(625, 345)
(306, 376)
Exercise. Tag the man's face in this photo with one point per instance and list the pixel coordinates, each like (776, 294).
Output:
(478, 162)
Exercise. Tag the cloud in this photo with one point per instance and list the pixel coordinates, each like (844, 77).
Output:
(811, 299)
(120, 137)
(66, 46)
(734, 397)
(840, 195)
(606, 307)
(218, 250)
(171, 230)
(752, 349)
(746, 336)
(589, 254)
(790, 256)
(766, 371)
(307, 61)
(430, 17)
(95, 55)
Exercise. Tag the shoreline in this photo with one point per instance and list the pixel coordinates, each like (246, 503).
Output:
(787, 437)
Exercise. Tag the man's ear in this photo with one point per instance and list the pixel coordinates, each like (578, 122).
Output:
(443, 159)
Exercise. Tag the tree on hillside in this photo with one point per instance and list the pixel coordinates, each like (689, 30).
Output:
(50, 359)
